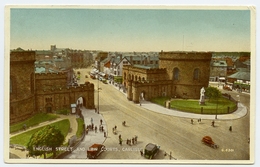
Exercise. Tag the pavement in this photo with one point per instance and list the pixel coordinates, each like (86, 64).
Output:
(240, 112)
(98, 137)
(92, 136)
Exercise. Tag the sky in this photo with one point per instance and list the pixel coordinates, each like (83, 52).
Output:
(130, 29)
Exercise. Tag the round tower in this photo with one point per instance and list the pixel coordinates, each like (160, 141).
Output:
(22, 85)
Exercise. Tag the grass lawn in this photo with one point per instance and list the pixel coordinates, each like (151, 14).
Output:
(35, 120)
(160, 100)
(23, 139)
(219, 106)
(80, 127)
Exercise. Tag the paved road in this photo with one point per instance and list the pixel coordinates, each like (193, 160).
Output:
(170, 129)
(174, 134)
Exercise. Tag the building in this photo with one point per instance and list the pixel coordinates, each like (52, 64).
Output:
(180, 75)
(32, 92)
(218, 70)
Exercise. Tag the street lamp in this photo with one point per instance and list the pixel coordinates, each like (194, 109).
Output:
(98, 96)
(216, 117)
(98, 65)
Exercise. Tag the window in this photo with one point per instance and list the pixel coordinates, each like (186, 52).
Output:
(176, 74)
(196, 74)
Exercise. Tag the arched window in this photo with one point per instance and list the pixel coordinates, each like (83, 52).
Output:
(176, 72)
(196, 74)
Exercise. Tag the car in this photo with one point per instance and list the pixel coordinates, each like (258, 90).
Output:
(95, 150)
(151, 150)
(227, 88)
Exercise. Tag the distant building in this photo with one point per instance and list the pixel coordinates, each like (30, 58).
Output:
(218, 70)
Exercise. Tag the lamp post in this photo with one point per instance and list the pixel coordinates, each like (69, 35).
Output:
(98, 85)
(98, 96)
(216, 117)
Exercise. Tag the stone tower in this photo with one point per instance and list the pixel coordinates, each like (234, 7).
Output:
(22, 85)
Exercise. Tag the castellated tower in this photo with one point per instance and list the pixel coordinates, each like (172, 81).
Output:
(188, 71)
(22, 85)
(47, 92)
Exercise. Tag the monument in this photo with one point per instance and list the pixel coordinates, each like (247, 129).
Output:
(202, 96)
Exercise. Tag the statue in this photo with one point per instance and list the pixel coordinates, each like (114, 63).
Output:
(202, 98)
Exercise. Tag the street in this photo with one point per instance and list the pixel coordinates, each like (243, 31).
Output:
(173, 134)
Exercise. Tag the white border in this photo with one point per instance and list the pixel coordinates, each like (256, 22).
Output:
(163, 3)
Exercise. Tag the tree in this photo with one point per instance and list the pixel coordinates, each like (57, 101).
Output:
(212, 93)
(45, 140)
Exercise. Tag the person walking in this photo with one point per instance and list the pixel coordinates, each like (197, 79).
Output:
(133, 140)
(213, 123)
(191, 121)
(230, 128)
(141, 152)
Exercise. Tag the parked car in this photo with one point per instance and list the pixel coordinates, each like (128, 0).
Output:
(227, 88)
(95, 150)
(151, 150)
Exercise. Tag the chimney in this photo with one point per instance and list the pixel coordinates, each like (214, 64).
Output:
(148, 60)
(131, 60)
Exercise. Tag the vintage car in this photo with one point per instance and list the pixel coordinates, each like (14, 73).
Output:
(208, 141)
(151, 150)
(95, 150)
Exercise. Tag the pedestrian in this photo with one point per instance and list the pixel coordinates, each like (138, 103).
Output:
(115, 127)
(191, 121)
(101, 121)
(120, 141)
(119, 136)
(105, 135)
(92, 126)
(230, 128)
(141, 152)
(133, 140)
(213, 123)
(95, 129)
(199, 120)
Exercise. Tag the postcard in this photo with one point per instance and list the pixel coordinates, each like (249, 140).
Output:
(129, 84)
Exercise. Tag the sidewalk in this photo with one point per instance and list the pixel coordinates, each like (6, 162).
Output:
(73, 125)
(240, 112)
(92, 137)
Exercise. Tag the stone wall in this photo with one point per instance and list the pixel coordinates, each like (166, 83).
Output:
(53, 93)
